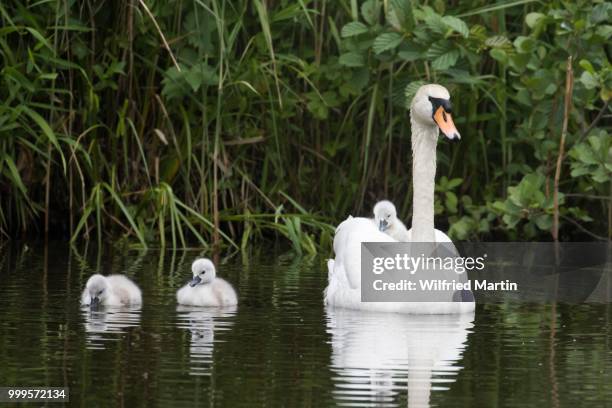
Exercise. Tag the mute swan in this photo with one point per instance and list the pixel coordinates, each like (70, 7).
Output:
(205, 289)
(430, 112)
(385, 218)
(113, 290)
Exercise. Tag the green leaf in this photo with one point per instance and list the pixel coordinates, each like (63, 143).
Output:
(439, 48)
(400, 15)
(353, 28)
(208, 74)
(194, 79)
(410, 55)
(411, 51)
(499, 55)
(14, 174)
(127, 214)
(386, 41)
(39, 37)
(445, 61)
(370, 10)
(510, 220)
(532, 19)
(352, 59)
(46, 129)
(589, 80)
(205, 221)
(497, 41)
(544, 222)
(452, 183)
(580, 171)
(43, 124)
(433, 20)
(601, 12)
(524, 44)
(457, 25)
(451, 201)
(587, 66)
(604, 31)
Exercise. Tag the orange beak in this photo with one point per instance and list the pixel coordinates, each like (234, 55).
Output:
(444, 120)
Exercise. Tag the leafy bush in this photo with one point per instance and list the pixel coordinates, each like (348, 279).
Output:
(233, 121)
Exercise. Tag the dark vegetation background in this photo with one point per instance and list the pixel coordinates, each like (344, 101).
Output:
(169, 122)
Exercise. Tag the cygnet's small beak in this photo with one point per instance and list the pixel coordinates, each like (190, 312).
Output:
(95, 302)
(195, 281)
(383, 225)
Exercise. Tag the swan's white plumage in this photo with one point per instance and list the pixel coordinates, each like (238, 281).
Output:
(209, 289)
(113, 290)
(217, 293)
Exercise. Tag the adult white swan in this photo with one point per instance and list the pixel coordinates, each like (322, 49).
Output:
(430, 112)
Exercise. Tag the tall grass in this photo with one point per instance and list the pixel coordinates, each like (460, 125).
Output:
(219, 123)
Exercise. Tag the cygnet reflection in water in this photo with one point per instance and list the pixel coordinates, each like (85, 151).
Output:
(107, 323)
(203, 323)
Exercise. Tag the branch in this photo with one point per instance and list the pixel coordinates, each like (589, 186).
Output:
(583, 229)
(161, 34)
(569, 87)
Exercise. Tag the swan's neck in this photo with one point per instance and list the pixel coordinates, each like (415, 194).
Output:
(424, 140)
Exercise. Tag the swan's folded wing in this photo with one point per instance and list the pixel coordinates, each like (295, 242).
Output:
(351, 233)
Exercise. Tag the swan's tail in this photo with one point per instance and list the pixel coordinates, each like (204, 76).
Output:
(339, 227)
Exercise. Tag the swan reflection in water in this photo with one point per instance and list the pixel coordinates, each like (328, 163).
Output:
(202, 323)
(105, 323)
(377, 357)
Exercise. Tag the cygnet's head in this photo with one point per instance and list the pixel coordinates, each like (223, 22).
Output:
(431, 106)
(98, 289)
(203, 272)
(385, 214)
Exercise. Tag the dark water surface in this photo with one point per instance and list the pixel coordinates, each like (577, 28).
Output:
(280, 347)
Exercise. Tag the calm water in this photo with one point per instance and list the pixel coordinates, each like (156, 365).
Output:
(280, 347)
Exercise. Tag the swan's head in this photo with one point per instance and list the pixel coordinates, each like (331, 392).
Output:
(97, 287)
(385, 215)
(431, 106)
(203, 271)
